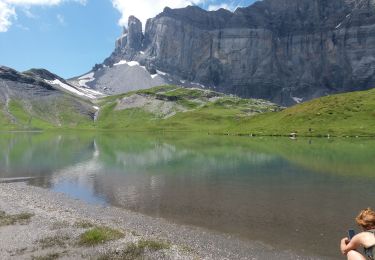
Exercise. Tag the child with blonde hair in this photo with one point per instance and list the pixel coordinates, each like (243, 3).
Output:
(365, 239)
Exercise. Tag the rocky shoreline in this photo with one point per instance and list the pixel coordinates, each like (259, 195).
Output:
(37, 223)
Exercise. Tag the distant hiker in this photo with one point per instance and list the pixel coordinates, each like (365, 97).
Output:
(365, 239)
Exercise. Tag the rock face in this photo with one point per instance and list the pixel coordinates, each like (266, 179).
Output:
(14, 84)
(135, 35)
(286, 51)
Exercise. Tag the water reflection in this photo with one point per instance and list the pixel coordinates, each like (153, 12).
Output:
(299, 195)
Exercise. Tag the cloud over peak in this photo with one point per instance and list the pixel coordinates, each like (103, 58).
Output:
(144, 9)
(40, 2)
(6, 14)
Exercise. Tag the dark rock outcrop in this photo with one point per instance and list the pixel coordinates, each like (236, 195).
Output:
(286, 51)
(43, 74)
(132, 37)
(23, 82)
(135, 35)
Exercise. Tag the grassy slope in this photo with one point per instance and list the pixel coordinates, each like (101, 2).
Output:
(26, 119)
(5, 122)
(202, 112)
(348, 114)
(43, 114)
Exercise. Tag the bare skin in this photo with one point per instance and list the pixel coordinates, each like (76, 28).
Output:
(363, 239)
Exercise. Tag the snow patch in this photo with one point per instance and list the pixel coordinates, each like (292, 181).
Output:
(161, 73)
(83, 80)
(129, 63)
(197, 84)
(121, 62)
(89, 93)
(133, 63)
(65, 86)
(88, 75)
(297, 99)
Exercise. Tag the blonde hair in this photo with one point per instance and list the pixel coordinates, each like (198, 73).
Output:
(366, 219)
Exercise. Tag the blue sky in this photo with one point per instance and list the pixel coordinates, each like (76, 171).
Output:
(68, 37)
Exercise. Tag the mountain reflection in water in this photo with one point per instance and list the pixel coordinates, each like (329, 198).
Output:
(300, 195)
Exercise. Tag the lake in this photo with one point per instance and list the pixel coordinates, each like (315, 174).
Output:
(299, 195)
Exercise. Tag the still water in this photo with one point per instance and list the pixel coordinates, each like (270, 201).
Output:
(300, 195)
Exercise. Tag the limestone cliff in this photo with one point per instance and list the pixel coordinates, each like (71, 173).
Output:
(286, 51)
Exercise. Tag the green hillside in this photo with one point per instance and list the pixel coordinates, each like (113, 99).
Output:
(63, 111)
(172, 108)
(175, 108)
(349, 114)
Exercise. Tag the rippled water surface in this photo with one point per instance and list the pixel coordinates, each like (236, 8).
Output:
(299, 195)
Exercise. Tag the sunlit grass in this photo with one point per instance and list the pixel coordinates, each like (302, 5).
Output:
(99, 235)
(349, 114)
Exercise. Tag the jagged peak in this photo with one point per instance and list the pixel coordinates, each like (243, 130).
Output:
(132, 20)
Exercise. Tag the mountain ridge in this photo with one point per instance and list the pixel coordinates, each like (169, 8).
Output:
(285, 51)
(29, 106)
(31, 100)
(40, 100)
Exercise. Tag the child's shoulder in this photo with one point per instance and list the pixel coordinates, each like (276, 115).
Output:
(362, 235)
(365, 236)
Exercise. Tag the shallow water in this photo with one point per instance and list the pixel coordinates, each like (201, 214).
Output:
(299, 195)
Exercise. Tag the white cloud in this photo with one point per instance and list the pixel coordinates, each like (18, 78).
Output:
(33, 2)
(8, 7)
(41, 2)
(217, 7)
(144, 9)
(229, 5)
(7, 13)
